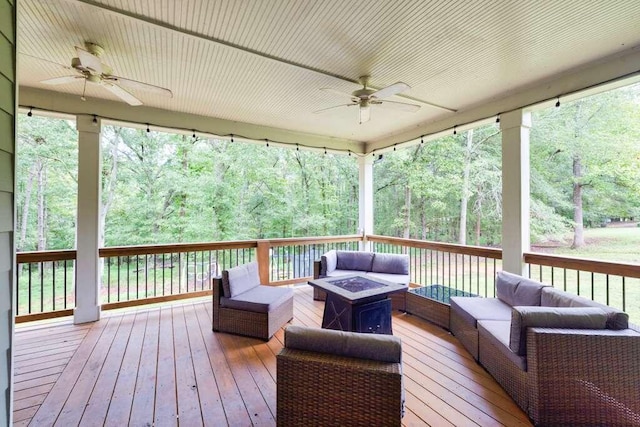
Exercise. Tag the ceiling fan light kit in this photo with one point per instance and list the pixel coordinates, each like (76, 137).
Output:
(91, 69)
(366, 97)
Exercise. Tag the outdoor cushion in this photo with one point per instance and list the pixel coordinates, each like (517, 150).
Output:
(328, 262)
(552, 297)
(354, 260)
(260, 299)
(402, 279)
(551, 317)
(517, 290)
(390, 263)
(472, 309)
(336, 273)
(240, 279)
(497, 333)
(383, 348)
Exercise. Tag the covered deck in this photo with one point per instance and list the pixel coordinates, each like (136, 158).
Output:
(162, 365)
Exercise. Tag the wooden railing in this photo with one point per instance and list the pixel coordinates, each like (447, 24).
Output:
(134, 275)
(611, 283)
(467, 268)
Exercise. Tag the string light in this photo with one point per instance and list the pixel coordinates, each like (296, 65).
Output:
(455, 131)
(394, 147)
(349, 153)
(558, 102)
(297, 147)
(422, 139)
(267, 141)
(231, 138)
(148, 130)
(373, 154)
(95, 120)
(194, 134)
(498, 118)
(325, 151)
(30, 113)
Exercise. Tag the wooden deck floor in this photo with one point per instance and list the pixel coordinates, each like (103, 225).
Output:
(164, 366)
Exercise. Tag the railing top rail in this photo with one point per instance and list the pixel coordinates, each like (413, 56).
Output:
(176, 247)
(313, 240)
(583, 264)
(45, 256)
(438, 246)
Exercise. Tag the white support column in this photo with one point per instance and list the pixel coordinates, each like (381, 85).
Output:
(365, 200)
(88, 221)
(515, 190)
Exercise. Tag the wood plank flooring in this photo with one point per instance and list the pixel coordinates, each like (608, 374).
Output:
(162, 365)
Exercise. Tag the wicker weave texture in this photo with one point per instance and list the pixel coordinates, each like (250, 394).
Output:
(582, 379)
(240, 322)
(465, 333)
(316, 389)
(428, 309)
(505, 372)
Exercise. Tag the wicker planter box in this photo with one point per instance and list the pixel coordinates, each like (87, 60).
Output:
(432, 303)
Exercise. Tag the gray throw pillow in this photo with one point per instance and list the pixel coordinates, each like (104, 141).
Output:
(517, 290)
(240, 279)
(616, 319)
(328, 262)
(390, 263)
(551, 317)
(354, 260)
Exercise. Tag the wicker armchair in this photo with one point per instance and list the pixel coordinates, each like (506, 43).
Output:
(242, 306)
(328, 377)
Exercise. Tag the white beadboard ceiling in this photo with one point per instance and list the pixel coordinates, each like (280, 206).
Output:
(263, 62)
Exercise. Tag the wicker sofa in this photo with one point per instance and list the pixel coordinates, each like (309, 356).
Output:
(242, 306)
(391, 267)
(565, 360)
(327, 377)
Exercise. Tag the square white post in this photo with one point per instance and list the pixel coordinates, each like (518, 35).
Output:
(88, 221)
(515, 127)
(365, 199)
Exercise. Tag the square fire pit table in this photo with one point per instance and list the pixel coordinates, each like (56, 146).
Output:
(357, 303)
(432, 303)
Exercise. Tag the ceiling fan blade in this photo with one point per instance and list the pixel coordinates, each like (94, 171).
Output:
(401, 106)
(45, 60)
(89, 60)
(134, 84)
(337, 92)
(61, 80)
(391, 90)
(122, 94)
(331, 108)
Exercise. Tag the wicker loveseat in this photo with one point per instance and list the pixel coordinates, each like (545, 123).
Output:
(242, 306)
(327, 377)
(390, 267)
(565, 360)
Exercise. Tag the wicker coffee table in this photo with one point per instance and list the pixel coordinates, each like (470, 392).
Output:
(432, 303)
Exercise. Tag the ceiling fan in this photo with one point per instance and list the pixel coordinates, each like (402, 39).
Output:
(91, 69)
(366, 97)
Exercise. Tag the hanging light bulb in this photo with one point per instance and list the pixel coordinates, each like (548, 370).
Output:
(455, 131)
(148, 130)
(30, 113)
(267, 141)
(558, 102)
(498, 118)
(297, 147)
(95, 120)
(232, 138)
(422, 139)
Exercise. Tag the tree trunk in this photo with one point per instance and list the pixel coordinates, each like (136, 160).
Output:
(464, 200)
(42, 227)
(407, 212)
(578, 223)
(109, 186)
(24, 220)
